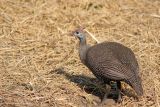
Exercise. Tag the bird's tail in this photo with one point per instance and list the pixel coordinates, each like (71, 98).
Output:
(137, 86)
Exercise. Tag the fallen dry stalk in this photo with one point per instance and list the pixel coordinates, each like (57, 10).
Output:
(90, 34)
(155, 15)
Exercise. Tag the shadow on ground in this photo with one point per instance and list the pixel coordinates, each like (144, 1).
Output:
(91, 85)
(88, 84)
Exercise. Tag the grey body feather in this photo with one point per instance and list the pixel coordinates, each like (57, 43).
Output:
(111, 61)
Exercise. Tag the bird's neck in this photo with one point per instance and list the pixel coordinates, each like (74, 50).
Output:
(83, 42)
(83, 49)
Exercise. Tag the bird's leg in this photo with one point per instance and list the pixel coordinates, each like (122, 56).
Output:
(119, 99)
(108, 88)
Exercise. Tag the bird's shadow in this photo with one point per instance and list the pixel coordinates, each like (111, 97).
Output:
(90, 85)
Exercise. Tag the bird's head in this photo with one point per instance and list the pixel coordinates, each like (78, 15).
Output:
(79, 33)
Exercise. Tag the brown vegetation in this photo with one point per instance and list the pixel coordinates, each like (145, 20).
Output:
(39, 63)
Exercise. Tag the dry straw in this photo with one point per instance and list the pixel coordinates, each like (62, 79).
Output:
(39, 63)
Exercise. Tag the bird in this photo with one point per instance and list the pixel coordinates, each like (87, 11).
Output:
(110, 61)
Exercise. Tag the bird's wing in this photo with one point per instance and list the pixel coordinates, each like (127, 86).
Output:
(113, 70)
(130, 61)
(125, 55)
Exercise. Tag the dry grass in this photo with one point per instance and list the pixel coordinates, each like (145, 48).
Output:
(39, 61)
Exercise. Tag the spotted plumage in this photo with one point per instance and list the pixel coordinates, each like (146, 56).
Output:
(114, 61)
(110, 61)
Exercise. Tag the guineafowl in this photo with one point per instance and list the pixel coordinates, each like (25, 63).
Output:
(110, 61)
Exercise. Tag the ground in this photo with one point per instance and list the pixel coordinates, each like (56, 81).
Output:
(39, 61)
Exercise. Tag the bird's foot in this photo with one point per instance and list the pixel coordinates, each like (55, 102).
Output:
(119, 99)
(108, 88)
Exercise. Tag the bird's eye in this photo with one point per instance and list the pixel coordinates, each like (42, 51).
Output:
(77, 32)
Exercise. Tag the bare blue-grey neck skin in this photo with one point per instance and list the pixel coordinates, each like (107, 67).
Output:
(83, 45)
(82, 39)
